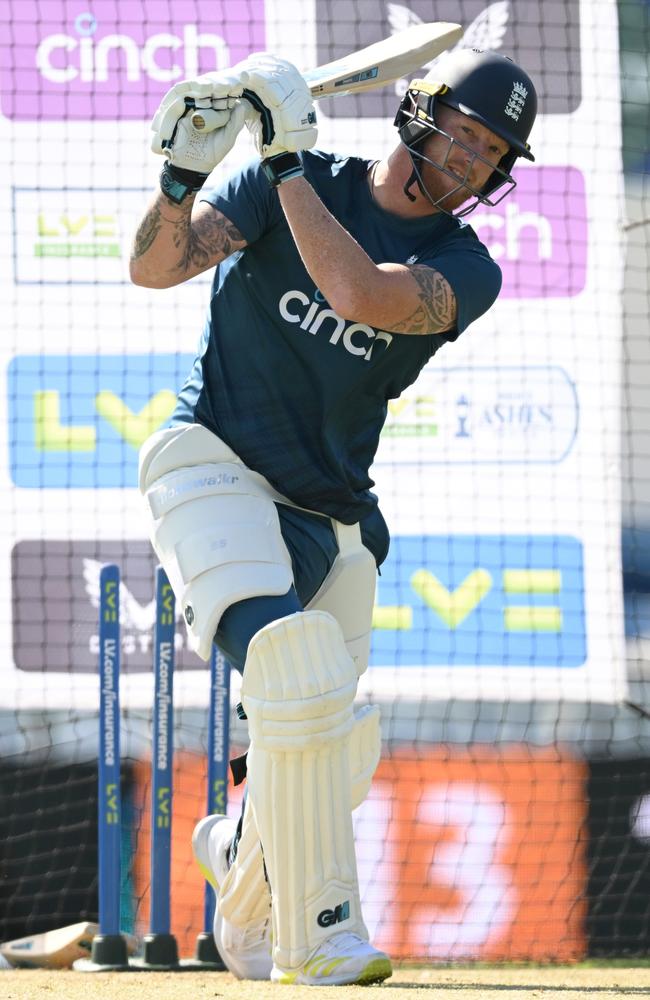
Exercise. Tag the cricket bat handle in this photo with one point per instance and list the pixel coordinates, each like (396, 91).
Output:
(207, 120)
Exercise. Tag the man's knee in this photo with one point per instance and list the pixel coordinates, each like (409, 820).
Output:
(298, 671)
(242, 620)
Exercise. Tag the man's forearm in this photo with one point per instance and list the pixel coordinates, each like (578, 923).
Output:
(162, 244)
(402, 298)
(335, 261)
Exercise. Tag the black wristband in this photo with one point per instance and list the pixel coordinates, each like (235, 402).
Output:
(282, 167)
(177, 183)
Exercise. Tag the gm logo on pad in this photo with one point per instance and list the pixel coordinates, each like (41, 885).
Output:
(327, 918)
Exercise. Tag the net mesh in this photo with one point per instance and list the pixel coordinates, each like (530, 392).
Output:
(509, 818)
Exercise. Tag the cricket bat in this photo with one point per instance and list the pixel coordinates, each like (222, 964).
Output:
(55, 949)
(375, 66)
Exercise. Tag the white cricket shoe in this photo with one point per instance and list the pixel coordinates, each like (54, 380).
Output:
(343, 959)
(245, 952)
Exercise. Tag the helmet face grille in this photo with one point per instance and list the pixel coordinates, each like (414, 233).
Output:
(416, 125)
(498, 181)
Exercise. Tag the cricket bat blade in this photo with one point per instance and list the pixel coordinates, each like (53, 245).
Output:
(366, 69)
(56, 949)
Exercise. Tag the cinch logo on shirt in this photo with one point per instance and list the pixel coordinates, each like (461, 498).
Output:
(357, 338)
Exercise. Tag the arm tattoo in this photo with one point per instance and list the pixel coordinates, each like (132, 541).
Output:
(146, 234)
(437, 310)
(202, 244)
(207, 241)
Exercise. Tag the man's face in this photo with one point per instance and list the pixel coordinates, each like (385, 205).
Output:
(460, 158)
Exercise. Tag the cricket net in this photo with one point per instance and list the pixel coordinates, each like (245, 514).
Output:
(509, 818)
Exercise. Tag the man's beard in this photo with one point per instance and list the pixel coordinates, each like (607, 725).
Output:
(449, 193)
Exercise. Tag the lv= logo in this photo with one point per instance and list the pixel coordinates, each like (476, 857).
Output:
(453, 606)
(51, 435)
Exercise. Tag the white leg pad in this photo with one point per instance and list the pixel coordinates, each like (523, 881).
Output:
(364, 751)
(348, 592)
(245, 896)
(213, 525)
(298, 688)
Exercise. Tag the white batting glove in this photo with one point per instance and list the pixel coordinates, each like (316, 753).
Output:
(285, 118)
(200, 151)
(175, 137)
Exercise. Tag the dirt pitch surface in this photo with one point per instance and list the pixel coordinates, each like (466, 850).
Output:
(563, 983)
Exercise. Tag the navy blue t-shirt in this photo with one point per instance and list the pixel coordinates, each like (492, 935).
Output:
(298, 392)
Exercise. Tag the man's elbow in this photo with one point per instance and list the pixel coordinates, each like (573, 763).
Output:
(145, 277)
(361, 300)
(350, 303)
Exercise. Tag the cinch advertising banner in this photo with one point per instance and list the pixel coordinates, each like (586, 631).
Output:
(498, 471)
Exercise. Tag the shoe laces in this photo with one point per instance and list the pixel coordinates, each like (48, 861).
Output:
(343, 943)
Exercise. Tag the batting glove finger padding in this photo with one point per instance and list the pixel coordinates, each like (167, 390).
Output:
(200, 92)
(175, 137)
(285, 119)
(200, 151)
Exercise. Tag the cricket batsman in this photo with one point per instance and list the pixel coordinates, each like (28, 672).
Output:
(335, 280)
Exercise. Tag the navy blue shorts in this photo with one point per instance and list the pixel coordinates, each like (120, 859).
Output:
(312, 546)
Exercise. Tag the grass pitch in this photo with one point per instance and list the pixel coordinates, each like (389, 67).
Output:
(588, 981)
